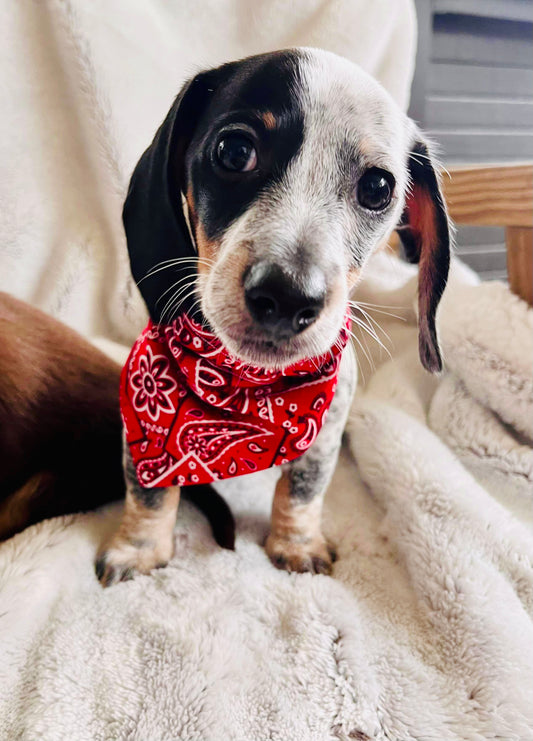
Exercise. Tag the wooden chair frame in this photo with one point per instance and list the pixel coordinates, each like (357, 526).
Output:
(498, 195)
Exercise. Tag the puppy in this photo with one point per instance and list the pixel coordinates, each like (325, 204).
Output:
(249, 220)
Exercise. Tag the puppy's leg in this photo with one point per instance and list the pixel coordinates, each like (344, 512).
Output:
(144, 540)
(296, 542)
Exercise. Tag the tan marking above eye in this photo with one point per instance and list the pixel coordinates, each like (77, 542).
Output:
(364, 145)
(269, 120)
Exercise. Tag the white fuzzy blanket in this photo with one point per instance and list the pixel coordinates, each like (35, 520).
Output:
(425, 630)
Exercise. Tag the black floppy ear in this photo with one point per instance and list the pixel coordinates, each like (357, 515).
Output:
(153, 217)
(425, 234)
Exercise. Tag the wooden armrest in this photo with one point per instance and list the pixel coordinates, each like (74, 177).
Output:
(498, 195)
(490, 195)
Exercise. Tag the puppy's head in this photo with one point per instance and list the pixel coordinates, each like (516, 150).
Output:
(265, 190)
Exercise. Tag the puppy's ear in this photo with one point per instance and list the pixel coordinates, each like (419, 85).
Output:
(155, 225)
(425, 234)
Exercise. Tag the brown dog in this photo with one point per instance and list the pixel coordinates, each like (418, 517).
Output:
(60, 428)
(59, 420)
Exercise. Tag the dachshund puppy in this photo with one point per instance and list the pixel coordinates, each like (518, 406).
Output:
(249, 220)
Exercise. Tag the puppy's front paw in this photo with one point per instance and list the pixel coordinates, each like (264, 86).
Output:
(121, 558)
(310, 555)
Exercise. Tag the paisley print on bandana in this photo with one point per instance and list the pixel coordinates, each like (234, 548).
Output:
(193, 414)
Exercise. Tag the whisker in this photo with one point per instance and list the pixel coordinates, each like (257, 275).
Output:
(360, 322)
(368, 352)
(175, 297)
(378, 308)
(174, 262)
(176, 308)
(364, 350)
(375, 324)
(182, 300)
(369, 329)
(174, 285)
(376, 338)
(194, 306)
(365, 353)
(386, 313)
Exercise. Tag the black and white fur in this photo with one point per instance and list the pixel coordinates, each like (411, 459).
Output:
(267, 256)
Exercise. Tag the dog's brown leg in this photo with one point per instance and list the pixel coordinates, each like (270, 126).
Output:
(296, 542)
(144, 539)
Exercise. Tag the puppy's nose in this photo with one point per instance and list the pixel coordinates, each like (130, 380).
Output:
(277, 304)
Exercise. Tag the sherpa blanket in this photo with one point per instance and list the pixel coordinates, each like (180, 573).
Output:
(425, 629)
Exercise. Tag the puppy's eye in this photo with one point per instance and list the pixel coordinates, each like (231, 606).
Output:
(236, 152)
(375, 188)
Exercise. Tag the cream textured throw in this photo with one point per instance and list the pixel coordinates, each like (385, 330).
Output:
(425, 630)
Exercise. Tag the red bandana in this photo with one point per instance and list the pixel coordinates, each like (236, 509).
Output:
(193, 414)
